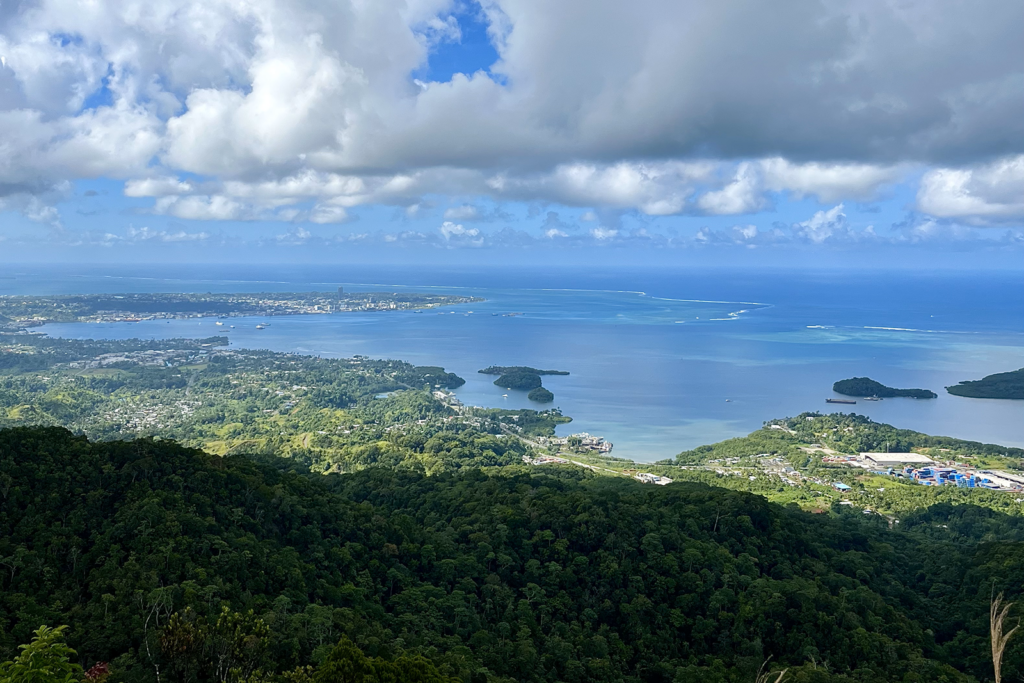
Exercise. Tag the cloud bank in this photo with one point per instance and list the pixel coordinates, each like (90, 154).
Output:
(302, 110)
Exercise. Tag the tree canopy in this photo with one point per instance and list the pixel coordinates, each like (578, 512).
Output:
(145, 548)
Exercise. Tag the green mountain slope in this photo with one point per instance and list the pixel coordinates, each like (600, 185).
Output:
(560, 577)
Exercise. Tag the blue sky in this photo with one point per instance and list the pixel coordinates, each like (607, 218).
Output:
(458, 131)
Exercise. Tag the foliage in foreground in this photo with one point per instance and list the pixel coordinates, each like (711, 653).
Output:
(231, 652)
(557, 577)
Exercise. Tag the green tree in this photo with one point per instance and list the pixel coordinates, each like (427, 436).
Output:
(231, 649)
(47, 659)
(348, 664)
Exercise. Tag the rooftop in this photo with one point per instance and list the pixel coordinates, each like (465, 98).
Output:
(897, 458)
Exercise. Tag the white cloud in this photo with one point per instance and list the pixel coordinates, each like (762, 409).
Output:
(603, 234)
(202, 208)
(295, 236)
(150, 235)
(742, 195)
(829, 182)
(985, 194)
(822, 225)
(450, 230)
(657, 189)
(466, 212)
(740, 235)
(33, 207)
(156, 187)
(326, 213)
(655, 105)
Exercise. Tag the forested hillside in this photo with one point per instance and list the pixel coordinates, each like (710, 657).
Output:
(142, 546)
(332, 414)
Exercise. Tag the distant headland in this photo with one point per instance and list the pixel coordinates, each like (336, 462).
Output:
(869, 388)
(1000, 385)
(506, 369)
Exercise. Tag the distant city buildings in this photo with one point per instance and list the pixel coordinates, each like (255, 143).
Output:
(581, 441)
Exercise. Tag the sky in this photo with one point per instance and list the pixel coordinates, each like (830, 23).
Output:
(832, 132)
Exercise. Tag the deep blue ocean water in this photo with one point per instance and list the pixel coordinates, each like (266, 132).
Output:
(662, 360)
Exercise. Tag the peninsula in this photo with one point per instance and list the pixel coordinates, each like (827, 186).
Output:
(26, 311)
(1000, 385)
(506, 369)
(865, 387)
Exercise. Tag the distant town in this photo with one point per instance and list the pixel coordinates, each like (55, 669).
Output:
(28, 311)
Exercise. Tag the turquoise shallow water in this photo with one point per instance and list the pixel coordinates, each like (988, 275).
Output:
(654, 355)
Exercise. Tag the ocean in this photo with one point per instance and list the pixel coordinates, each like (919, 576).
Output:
(661, 359)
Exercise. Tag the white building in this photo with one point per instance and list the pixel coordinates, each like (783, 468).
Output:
(886, 460)
(648, 478)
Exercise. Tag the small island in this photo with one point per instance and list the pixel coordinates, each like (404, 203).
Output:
(519, 379)
(506, 369)
(1000, 385)
(541, 395)
(866, 387)
(523, 378)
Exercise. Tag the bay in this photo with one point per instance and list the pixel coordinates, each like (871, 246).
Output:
(661, 359)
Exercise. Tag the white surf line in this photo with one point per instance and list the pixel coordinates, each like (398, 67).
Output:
(710, 301)
(493, 289)
(911, 329)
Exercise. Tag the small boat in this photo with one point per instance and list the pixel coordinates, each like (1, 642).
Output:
(504, 395)
(872, 398)
(218, 323)
(260, 327)
(728, 400)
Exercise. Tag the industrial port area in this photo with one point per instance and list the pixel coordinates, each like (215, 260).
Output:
(921, 469)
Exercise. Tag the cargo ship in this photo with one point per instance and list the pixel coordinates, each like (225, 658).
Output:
(840, 400)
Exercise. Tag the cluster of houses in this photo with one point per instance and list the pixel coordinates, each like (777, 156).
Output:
(582, 441)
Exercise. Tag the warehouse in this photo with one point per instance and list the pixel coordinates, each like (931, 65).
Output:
(895, 460)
